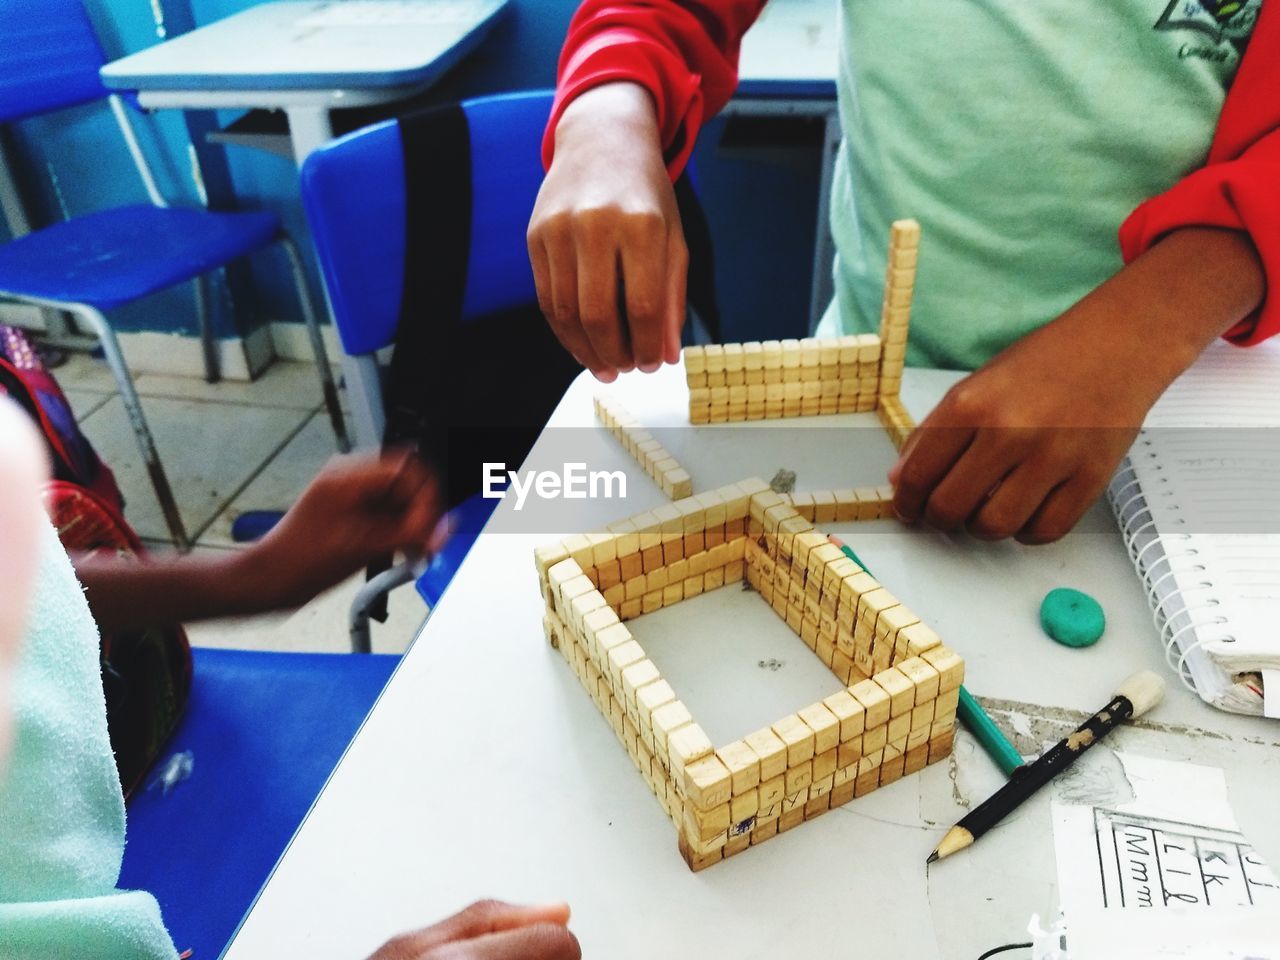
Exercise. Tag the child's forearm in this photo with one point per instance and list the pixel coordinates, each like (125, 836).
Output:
(1170, 303)
(130, 594)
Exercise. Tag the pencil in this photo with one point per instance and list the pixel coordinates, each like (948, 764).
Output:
(1136, 696)
(974, 718)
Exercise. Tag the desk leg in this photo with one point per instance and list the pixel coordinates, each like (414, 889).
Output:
(821, 290)
(309, 128)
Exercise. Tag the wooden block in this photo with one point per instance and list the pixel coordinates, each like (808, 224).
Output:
(771, 750)
(817, 806)
(923, 676)
(699, 861)
(764, 832)
(546, 557)
(667, 719)
(798, 737)
(874, 700)
(824, 506)
(743, 808)
(940, 747)
(866, 782)
(707, 783)
(947, 702)
(737, 843)
(743, 766)
(899, 727)
(772, 791)
(901, 691)
(919, 638)
(949, 666)
(635, 677)
(824, 724)
(850, 714)
(686, 745)
(649, 698)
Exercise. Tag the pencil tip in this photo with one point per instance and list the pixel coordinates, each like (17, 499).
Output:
(932, 857)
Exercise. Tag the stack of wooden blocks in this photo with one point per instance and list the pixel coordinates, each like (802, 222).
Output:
(735, 382)
(894, 714)
(657, 462)
(895, 314)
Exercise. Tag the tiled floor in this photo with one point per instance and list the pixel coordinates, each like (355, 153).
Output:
(228, 448)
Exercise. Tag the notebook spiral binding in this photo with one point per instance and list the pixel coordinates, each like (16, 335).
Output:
(1184, 617)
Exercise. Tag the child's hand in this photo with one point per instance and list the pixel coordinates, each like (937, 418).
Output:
(358, 509)
(490, 930)
(606, 221)
(1025, 445)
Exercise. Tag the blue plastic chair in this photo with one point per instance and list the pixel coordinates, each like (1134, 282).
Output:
(49, 59)
(354, 195)
(265, 730)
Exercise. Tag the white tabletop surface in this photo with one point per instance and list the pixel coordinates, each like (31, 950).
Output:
(311, 44)
(792, 48)
(485, 769)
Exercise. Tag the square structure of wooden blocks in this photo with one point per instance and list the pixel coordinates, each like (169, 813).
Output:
(895, 713)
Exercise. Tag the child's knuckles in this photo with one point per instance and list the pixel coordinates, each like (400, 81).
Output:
(945, 513)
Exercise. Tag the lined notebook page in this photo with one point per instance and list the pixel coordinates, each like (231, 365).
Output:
(1208, 460)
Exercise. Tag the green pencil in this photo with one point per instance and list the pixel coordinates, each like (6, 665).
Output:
(969, 710)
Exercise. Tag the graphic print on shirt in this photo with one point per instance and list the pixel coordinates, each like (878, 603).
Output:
(1217, 21)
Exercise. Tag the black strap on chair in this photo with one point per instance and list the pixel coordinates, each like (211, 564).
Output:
(481, 391)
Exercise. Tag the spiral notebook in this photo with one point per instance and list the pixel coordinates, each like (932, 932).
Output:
(1198, 502)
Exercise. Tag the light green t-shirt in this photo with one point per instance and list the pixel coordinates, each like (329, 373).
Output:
(1020, 133)
(61, 809)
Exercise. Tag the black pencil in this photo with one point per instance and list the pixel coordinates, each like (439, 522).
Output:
(1135, 697)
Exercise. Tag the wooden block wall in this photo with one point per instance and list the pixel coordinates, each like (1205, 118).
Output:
(870, 733)
(735, 382)
(652, 456)
(843, 506)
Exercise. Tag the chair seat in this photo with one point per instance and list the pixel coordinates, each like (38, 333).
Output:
(114, 257)
(265, 730)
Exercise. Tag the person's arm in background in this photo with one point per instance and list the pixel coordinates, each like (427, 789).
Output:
(358, 508)
(636, 81)
(1027, 443)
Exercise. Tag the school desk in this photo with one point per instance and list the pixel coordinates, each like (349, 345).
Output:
(306, 58)
(485, 770)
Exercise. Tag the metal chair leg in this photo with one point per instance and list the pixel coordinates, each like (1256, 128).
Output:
(208, 343)
(371, 592)
(311, 316)
(97, 322)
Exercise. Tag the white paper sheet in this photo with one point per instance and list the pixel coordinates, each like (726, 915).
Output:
(1165, 874)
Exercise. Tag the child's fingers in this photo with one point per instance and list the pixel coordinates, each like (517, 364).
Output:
(928, 457)
(562, 262)
(598, 296)
(542, 941)
(969, 481)
(677, 277)
(644, 259)
(486, 917)
(1061, 510)
(1014, 502)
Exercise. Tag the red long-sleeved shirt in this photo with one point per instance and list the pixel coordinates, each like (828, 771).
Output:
(685, 53)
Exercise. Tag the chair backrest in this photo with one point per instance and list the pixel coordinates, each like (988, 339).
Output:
(354, 193)
(49, 57)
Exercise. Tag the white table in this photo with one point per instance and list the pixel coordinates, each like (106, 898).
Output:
(307, 58)
(485, 769)
(788, 66)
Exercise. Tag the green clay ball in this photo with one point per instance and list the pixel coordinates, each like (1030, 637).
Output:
(1072, 618)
